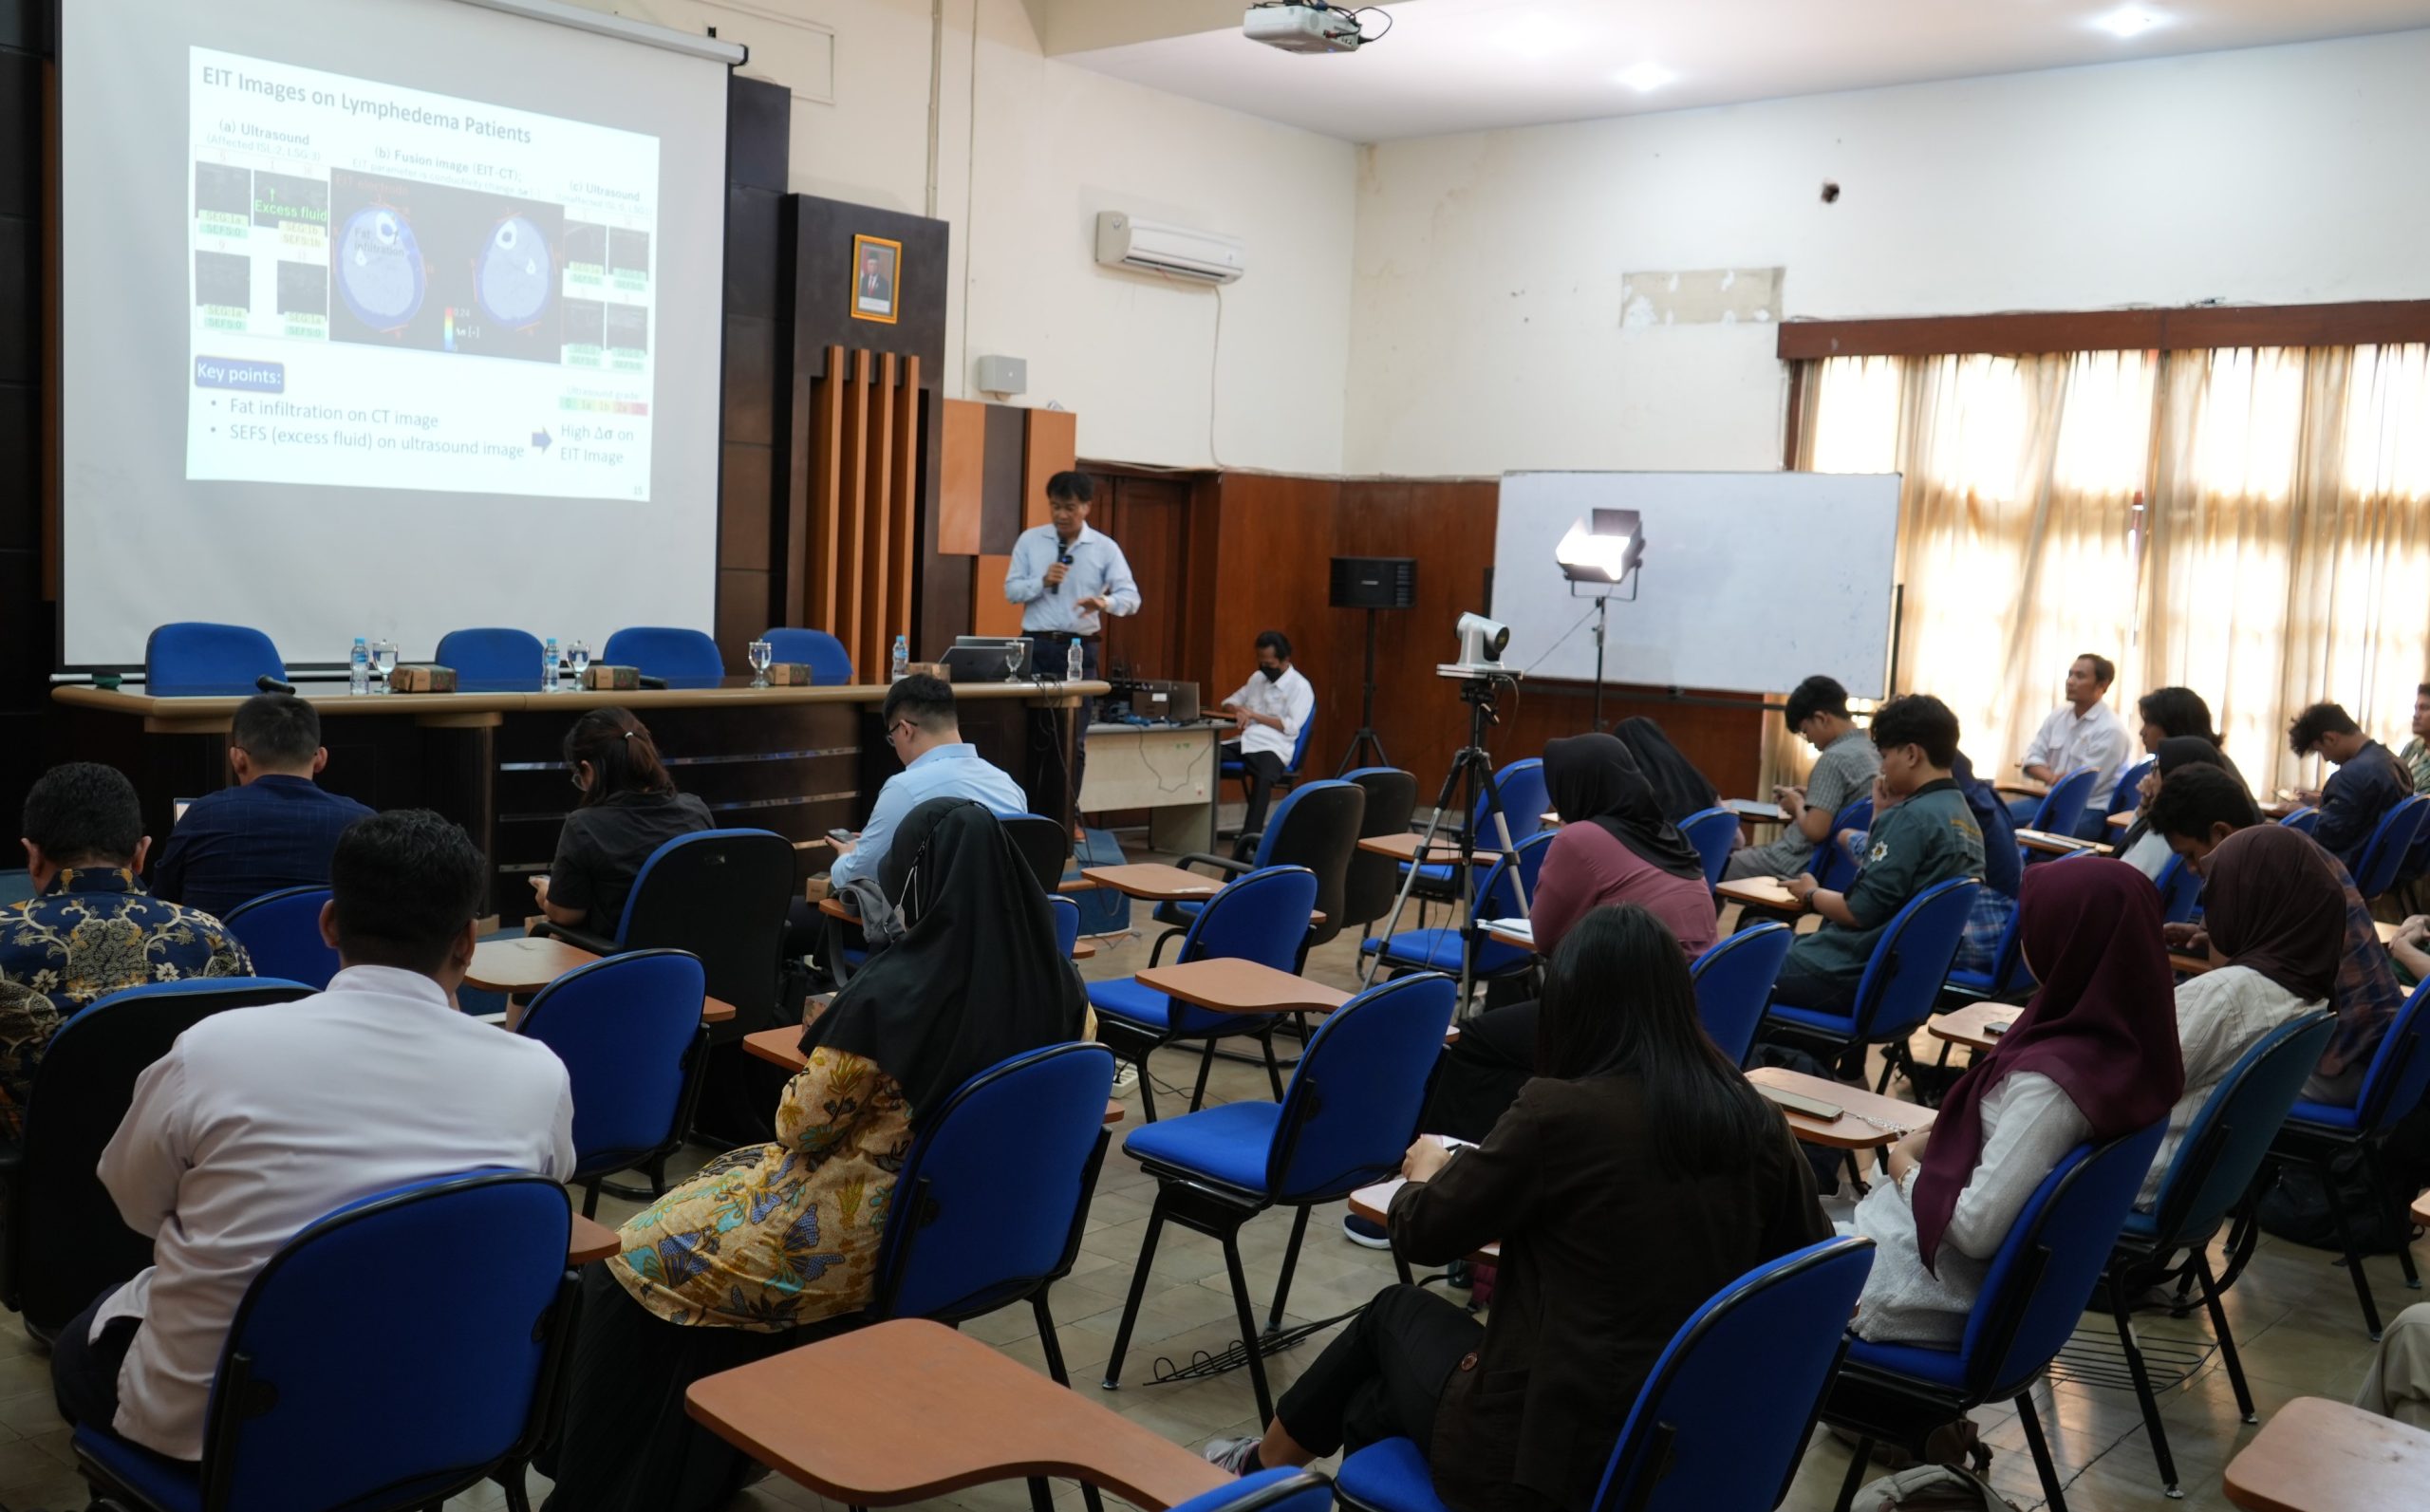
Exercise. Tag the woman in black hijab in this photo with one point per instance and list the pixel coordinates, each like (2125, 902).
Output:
(2141, 847)
(732, 1265)
(1681, 788)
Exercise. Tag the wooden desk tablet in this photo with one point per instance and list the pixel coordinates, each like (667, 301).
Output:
(1869, 1119)
(1763, 892)
(910, 1409)
(1970, 1026)
(592, 1242)
(2421, 1209)
(1155, 882)
(2387, 930)
(2315, 1455)
(2277, 809)
(525, 964)
(2056, 844)
(1518, 932)
(2122, 820)
(1373, 1202)
(2022, 788)
(1226, 984)
(2189, 965)
(1443, 852)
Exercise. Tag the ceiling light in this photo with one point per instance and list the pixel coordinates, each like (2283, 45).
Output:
(1646, 77)
(2129, 20)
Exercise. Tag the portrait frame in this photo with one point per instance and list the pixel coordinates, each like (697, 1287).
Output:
(886, 307)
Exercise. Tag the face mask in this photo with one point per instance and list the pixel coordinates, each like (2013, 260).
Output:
(1271, 672)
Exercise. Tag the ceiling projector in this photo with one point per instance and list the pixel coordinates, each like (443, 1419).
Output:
(1297, 27)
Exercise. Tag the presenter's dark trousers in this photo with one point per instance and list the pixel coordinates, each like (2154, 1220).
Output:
(1049, 652)
(1264, 771)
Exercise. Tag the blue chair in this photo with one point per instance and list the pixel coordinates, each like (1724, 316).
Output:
(1265, 1491)
(282, 932)
(2032, 1296)
(1372, 883)
(2304, 820)
(321, 1402)
(2180, 890)
(2128, 792)
(686, 659)
(829, 663)
(2062, 810)
(1238, 770)
(1446, 948)
(2315, 1134)
(2211, 1174)
(1067, 923)
(1044, 845)
(1733, 982)
(2385, 853)
(1831, 866)
(1524, 798)
(1715, 833)
(628, 1029)
(1901, 981)
(492, 659)
(194, 660)
(1263, 917)
(1705, 1432)
(65, 1241)
(1348, 1118)
(1315, 825)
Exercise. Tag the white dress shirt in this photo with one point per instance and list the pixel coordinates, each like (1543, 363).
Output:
(1098, 570)
(1287, 697)
(2068, 740)
(259, 1121)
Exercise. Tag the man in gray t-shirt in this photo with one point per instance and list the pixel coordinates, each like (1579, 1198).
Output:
(1818, 711)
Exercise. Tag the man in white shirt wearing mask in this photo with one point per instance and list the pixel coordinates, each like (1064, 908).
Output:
(260, 1121)
(1268, 713)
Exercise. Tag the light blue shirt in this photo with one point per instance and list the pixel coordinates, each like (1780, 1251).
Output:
(948, 771)
(1099, 571)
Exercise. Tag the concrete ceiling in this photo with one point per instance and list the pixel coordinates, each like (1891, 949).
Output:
(1452, 65)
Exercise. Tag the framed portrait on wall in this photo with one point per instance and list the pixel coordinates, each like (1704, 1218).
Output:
(877, 278)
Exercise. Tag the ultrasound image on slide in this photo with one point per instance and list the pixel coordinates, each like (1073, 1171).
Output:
(628, 252)
(586, 244)
(222, 189)
(585, 323)
(223, 279)
(628, 328)
(282, 199)
(441, 268)
(302, 288)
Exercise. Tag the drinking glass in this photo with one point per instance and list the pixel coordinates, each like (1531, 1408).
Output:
(761, 654)
(1013, 662)
(383, 656)
(578, 654)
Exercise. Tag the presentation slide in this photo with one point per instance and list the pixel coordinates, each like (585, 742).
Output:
(457, 292)
(387, 319)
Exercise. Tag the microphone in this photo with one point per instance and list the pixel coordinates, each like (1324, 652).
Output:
(270, 684)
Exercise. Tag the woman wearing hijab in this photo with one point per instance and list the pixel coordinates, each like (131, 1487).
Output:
(2276, 916)
(2093, 1056)
(1615, 847)
(1636, 1175)
(769, 1239)
(1677, 784)
(2143, 847)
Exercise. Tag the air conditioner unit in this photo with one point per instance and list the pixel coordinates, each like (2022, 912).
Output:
(1175, 251)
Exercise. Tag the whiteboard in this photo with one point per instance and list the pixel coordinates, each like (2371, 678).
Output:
(1751, 582)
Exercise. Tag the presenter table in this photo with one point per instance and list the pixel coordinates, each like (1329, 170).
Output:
(1170, 770)
(796, 760)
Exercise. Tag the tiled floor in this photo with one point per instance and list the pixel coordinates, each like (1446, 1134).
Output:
(2293, 1312)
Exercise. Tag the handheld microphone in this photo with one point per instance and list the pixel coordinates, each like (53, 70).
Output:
(1064, 557)
(270, 684)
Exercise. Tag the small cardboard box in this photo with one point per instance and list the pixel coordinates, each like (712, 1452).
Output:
(789, 675)
(423, 679)
(613, 678)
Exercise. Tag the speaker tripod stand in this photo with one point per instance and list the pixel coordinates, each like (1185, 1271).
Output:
(1366, 739)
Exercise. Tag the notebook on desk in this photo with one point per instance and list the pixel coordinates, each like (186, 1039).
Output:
(1515, 928)
(1754, 809)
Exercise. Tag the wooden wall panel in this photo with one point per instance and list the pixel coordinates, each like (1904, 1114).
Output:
(1273, 542)
(1050, 438)
(989, 613)
(1149, 517)
(873, 639)
(903, 508)
(965, 464)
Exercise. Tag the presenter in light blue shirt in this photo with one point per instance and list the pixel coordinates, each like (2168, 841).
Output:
(921, 728)
(1067, 577)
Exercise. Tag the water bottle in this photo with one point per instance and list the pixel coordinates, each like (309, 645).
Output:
(358, 677)
(1072, 663)
(902, 657)
(549, 666)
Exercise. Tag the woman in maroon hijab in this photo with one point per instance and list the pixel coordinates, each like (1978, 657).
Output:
(2093, 1056)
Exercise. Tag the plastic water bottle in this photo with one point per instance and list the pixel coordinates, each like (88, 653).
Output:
(549, 666)
(1072, 663)
(902, 657)
(358, 677)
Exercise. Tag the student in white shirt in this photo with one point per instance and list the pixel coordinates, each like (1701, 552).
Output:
(1268, 712)
(260, 1121)
(2083, 732)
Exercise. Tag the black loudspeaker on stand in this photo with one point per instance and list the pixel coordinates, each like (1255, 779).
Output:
(1370, 583)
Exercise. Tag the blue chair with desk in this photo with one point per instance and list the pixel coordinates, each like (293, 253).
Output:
(2391, 844)
(194, 659)
(1902, 983)
(281, 931)
(1315, 825)
(684, 659)
(1734, 981)
(629, 1030)
(830, 663)
(1525, 799)
(2065, 808)
(1232, 771)
(493, 659)
(1446, 948)
(1713, 832)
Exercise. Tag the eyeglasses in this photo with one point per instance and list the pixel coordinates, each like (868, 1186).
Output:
(890, 737)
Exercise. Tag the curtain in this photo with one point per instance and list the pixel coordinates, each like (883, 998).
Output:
(2283, 557)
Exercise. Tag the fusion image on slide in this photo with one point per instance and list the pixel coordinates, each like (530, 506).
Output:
(457, 291)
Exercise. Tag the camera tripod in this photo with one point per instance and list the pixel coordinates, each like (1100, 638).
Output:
(1471, 769)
